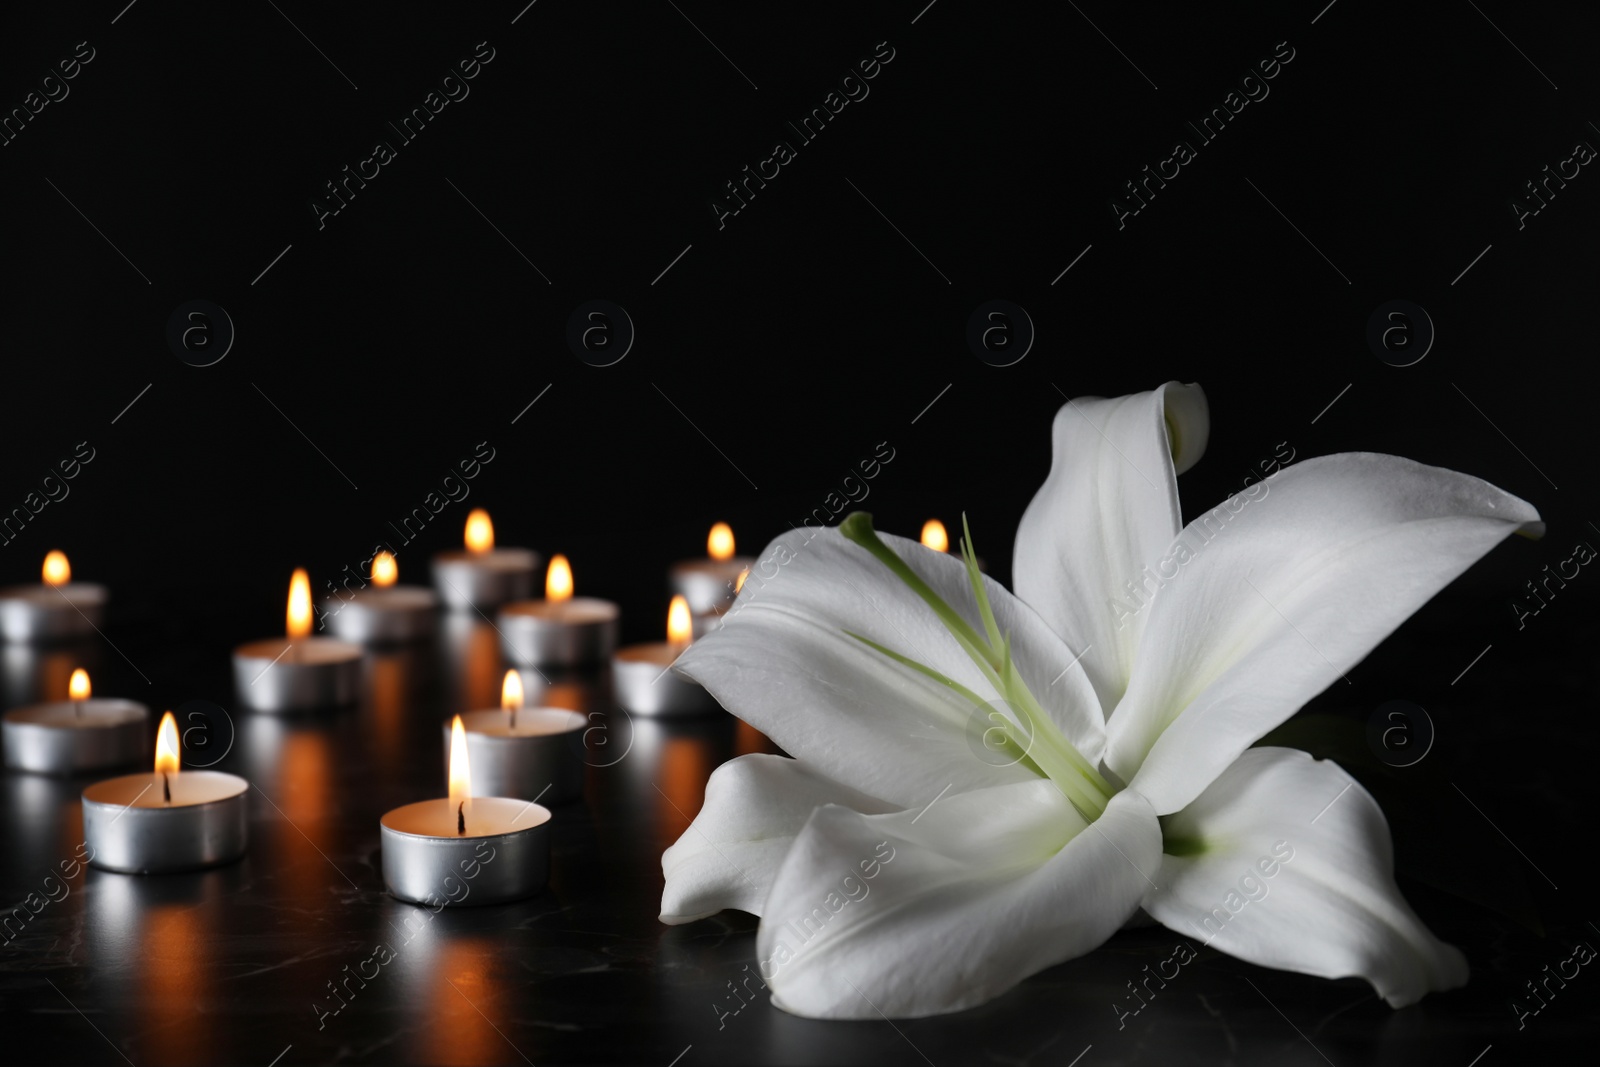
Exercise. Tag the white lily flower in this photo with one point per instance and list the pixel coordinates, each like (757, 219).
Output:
(984, 785)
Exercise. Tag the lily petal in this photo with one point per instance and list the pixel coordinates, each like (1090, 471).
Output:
(784, 661)
(729, 855)
(1108, 508)
(935, 910)
(1329, 907)
(1268, 600)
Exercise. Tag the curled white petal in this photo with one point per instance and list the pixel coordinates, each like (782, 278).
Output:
(1107, 511)
(729, 855)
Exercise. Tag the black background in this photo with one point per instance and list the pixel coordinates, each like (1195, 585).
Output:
(808, 330)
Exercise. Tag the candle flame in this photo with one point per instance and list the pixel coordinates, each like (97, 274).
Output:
(480, 531)
(738, 583)
(460, 771)
(167, 745)
(57, 571)
(384, 570)
(934, 536)
(558, 579)
(299, 616)
(511, 692)
(719, 545)
(78, 687)
(680, 628)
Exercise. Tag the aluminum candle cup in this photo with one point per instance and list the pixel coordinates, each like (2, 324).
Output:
(503, 855)
(707, 584)
(296, 674)
(130, 826)
(69, 736)
(51, 612)
(558, 632)
(484, 580)
(644, 684)
(541, 758)
(383, 615)
(700, 625)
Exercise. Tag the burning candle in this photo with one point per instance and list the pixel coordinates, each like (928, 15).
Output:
(560, 630)
(76, 734)
(465, 849)
(170, 820)
(386, 612)
(302, 673)
(710, 584)
(642, 675)
(483, 576)
(55, 609)
(528, 753)
(935, 536)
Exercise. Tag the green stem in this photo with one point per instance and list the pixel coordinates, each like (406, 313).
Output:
(1048, 750)
(857, 527)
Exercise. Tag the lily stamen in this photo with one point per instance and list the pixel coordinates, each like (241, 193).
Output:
(1035, 734)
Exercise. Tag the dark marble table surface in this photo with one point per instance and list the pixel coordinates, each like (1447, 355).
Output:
(240, 964)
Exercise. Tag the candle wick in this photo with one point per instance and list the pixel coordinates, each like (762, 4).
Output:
(166, 787)
(513, 717)
(461, 819)
(77, 709)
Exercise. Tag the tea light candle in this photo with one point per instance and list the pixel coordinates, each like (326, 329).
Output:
(710, 584)
(168, 820)
(526, 753)
(642, 675)
(76, 734)
(59, 608)
(301, 673)
(385, 613)
(936, 537)
(486, 849)
(560, 630)
(483, 576)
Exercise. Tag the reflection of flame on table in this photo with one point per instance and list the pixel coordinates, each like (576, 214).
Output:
(157, 938)
(293, 765)
(394, 674)
(747, 739)
(174, 961)
(686, 763)
(452, 982)
(473, 652)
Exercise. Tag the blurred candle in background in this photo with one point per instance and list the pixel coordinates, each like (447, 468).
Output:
(483, 576)
(710, 584)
